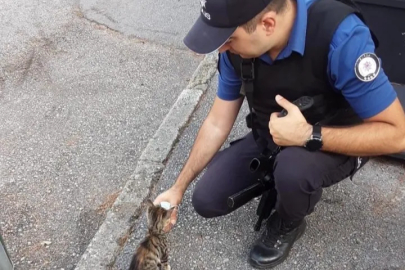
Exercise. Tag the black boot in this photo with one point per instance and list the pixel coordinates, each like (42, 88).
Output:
(275, 243)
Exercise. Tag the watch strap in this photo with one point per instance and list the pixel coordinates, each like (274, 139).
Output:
(316, 131)
(314, 142)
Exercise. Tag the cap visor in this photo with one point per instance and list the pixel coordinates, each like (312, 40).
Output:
(203, 38)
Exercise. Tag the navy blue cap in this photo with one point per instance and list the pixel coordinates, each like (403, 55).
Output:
(218, 20)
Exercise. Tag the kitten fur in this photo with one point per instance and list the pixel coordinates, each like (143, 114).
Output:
(152, 252)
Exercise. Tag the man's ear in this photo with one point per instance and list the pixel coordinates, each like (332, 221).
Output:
(268, 22)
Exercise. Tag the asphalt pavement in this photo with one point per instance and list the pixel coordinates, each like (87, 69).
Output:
(85, 86)
(164, 22)
(357, 225)
(79, 102)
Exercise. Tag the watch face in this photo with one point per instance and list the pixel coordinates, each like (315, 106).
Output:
(314, 144)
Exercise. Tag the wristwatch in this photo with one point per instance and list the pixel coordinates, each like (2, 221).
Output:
(314, 142)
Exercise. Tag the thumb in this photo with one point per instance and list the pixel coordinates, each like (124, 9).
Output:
(157, 200)
(160, 199)
(284, 103)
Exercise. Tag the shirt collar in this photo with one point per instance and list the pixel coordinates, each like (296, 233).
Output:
(298, 34)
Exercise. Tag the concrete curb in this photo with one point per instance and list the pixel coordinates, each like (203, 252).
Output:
(116, 228)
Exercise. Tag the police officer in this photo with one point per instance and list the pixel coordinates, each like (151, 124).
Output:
(317, 48)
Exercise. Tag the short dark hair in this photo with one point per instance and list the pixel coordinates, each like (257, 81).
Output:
(277, 6)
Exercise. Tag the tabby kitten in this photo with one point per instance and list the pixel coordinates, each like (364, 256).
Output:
(152, 252)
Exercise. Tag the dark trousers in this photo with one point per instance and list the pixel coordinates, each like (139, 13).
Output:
(300, 176)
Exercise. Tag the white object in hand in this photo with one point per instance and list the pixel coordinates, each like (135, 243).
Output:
(165, 205)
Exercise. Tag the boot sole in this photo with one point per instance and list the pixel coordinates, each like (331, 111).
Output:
(283, 258)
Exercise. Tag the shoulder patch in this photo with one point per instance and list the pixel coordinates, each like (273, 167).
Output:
(367, 67)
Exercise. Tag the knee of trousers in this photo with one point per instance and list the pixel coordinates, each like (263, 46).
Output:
(203, 205)
(293, 175)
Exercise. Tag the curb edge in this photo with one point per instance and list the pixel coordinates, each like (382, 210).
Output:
(115, 230)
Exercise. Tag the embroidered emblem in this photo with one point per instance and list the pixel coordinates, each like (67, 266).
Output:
(367, 67)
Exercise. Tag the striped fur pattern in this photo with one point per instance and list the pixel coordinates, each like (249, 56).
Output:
(152, 252)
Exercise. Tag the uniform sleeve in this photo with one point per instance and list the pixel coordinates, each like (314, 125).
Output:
(228, 82)
(351, 40)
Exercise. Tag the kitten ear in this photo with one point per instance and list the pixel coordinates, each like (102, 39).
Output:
(150, 209)
(149, 203)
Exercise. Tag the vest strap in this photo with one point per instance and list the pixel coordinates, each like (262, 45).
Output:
(247, 67)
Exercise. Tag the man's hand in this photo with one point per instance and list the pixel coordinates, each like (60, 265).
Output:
(174, 196)
(292, 129)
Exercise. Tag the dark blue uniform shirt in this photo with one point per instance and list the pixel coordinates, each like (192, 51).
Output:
(350, 41)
